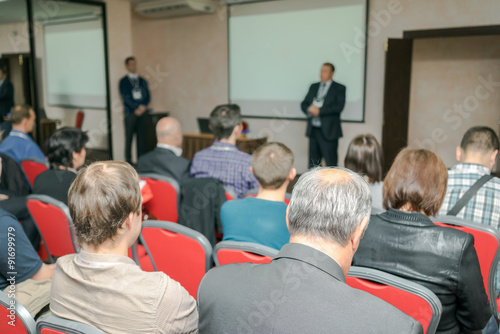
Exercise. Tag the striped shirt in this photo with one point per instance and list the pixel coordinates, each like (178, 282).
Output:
(225, 162)
(484, 207)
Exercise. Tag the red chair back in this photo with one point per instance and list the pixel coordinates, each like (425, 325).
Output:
(413, 299)
(15, 319)
(227, 252)
(486, 243)
(32, 168)
(55, 325)
(180, 252)
(166, 194)
(79, 119)
(54, 224)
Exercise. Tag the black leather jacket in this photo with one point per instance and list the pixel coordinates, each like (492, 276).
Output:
(442, 259)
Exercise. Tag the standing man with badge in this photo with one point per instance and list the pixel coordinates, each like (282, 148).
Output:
(135, 95)
(323, 104)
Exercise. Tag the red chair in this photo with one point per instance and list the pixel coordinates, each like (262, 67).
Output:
(226, 252)
(32, 167)
(166, 197)
(486, 243)
(15, 319)
(55, 325)
(411, 298)
(79, 119)
(230, 193)
(180, 252)
(54, 224)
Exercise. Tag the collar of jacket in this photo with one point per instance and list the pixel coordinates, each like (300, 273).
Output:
(406, 218)
(312, 257)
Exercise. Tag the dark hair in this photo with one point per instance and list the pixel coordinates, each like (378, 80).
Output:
(19, 113)
(418, 178)
(271, 164)
(364, 156)
(223, 119)
(61, 144)
(480, 138)
(330, 65)
(101, 198)
(129, 59)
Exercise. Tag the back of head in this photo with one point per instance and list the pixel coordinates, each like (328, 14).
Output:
(480, 139)
(61, 144)
(364, 155)
(223, 120)
(169, 131)
(101, 198)
(417, 179)
(19, 113)
(271, 164)
(328, 204)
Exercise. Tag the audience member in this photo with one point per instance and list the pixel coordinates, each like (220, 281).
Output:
(223, 160)
(303, 290)
(66, 153)
(166, 158)
(23, 276)
(364, 156)
(101, 286)
(476, 157)
(403, 241)
(262, 219)
(18, 144)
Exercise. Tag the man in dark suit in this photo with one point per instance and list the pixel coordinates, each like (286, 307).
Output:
(166, 158)
(323, 104)
(6, 94)
(303, 289)
(135, 95)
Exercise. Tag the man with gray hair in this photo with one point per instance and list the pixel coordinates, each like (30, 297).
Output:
(303, 289)
(166, 158)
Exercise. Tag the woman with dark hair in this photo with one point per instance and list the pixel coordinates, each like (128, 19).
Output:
(403, 241)
(364, 156)
(66, 153)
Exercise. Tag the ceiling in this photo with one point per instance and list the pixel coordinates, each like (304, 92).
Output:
(12, 11)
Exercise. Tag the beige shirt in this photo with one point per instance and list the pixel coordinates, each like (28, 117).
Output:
(111, 293)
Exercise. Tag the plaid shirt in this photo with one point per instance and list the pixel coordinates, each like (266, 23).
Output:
(484, 207)
(224, 162)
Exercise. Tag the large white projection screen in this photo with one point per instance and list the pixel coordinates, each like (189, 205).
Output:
(276, 50)
(74, 60)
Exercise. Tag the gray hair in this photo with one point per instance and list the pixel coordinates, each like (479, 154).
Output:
(326, 208)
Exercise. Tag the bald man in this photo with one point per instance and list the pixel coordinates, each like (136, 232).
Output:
(166, 158)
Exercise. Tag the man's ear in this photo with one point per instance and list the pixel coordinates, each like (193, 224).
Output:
(127, 224)
(251, 170)
(358, 233)
(493, 158)
(292, 174)
(459, 154)
(237, 130)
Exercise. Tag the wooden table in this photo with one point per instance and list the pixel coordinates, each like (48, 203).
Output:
(194, 142)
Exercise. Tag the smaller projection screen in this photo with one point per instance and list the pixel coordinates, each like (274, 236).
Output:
(276, 50)
(75, 68)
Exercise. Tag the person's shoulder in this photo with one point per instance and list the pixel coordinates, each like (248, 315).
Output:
(338, 85)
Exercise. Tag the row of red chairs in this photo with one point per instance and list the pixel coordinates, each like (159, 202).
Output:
(168, 247)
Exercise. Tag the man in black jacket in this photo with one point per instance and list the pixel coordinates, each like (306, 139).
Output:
(323, 104)
(166, 158)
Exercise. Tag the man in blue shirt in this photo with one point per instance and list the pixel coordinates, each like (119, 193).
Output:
(18, 144)
(262, 219)
(23, 276)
